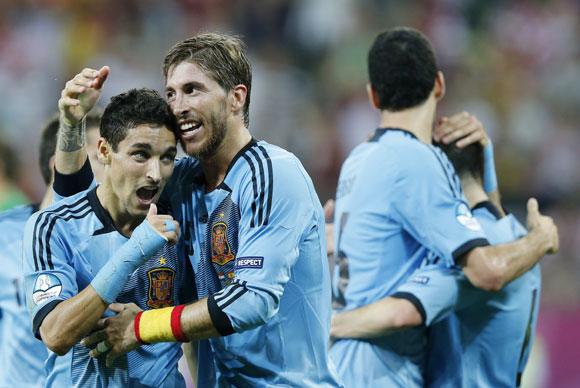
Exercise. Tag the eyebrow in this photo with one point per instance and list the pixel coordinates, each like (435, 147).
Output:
(142, 146)
(191, 84)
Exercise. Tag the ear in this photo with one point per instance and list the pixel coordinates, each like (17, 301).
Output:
(237, 97)
(439, 89)
(373, 97)
(104, 151)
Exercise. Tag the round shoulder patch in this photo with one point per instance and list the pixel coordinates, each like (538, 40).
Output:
(465, 218)
(47, 286)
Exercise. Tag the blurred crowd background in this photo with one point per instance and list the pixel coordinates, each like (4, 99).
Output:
(514, 64)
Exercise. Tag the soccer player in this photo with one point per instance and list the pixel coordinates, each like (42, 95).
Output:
(253, 229)
(399, 202)
(10, 194)
(20, 351)
(493, 331)
(108, 244)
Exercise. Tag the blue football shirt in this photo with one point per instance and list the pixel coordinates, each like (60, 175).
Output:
(398, 202)
(257, 246)
(65, 245)
(20, 350)
(488, 339)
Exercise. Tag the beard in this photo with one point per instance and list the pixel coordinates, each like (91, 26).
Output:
(217, 123)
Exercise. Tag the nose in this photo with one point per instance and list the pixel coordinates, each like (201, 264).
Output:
(178, 105)
(154, 171)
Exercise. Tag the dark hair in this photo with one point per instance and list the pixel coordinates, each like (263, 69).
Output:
(467, 160)
(131, 109)
(9, 163)
(402, 68)
(47, 147)
(222, 56)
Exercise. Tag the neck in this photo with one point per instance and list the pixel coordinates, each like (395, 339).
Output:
(473, 190)
(417, 120)
(123, 221)
(216, 166)
(47, 199)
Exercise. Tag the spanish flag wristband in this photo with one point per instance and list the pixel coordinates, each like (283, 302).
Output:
(160, 325)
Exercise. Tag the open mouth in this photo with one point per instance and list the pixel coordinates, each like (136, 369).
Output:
(189, 126)
(146, 194)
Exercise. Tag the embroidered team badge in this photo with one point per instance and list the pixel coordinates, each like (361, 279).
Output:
(221, 253)
(160, 287)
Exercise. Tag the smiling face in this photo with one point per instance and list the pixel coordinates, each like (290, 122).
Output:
(136, 173)
(200, 106)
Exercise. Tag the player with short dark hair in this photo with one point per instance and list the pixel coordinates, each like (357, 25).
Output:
(107, 244)
(253, 229)
(488, 339)
(399, 203)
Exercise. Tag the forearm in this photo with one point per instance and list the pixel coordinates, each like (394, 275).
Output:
(492, 267)
(196, 321)
(376, 320)
(71, 320)
(70, 152)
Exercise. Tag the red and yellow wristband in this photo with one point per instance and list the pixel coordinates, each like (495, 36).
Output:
(160, 325)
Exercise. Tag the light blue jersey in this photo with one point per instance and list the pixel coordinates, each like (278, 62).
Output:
(257, 246)
(398, 202)
(19, 351)
(65, 245)
(486, 343)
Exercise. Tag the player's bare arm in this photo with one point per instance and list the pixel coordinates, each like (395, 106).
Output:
(492, 267)
(376, 319)
(77, 98)
(119, 333)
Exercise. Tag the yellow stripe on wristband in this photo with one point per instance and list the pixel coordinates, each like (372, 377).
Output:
(155, 326)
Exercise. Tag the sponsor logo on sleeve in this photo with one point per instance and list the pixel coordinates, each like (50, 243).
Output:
(253, 262)
(46, 287)
(465, 218)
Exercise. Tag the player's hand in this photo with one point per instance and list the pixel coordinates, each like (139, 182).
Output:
(463, 126)
(164, 224)
(80, 95)
(117, 334)
(543, 227)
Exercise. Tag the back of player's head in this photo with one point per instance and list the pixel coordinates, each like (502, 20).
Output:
(467, 160)
(222, 57)
(402, 68)
(47, 147)
(131, 109)
(9, 163)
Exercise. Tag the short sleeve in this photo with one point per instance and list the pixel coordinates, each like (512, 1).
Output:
(48, 276)
(272, 223)
(434, 290)
(429, 203)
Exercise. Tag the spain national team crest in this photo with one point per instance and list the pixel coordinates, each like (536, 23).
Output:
(221, 253)
(160, 287)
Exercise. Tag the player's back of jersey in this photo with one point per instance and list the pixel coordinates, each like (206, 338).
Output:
(65, 247)
(493, 332)
(20, 350)
(398, 202)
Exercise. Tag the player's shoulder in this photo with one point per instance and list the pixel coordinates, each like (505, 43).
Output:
(69, 209)
(185, 168)
(17, 214)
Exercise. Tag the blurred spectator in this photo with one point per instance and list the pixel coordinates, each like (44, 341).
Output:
(10, 194)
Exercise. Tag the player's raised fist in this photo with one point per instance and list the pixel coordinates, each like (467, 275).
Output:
(543, 226)
(80, 95)
(164, 224)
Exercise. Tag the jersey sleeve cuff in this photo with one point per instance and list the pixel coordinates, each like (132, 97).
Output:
(414, 300)
(67, 185)
(468, 246)
(41, 314)
(219, 319)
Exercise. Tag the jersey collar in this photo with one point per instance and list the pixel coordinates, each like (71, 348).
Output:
(381, 131)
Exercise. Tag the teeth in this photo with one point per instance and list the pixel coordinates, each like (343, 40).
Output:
(188, 126)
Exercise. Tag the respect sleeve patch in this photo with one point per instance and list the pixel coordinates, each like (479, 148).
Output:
(253, 262)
